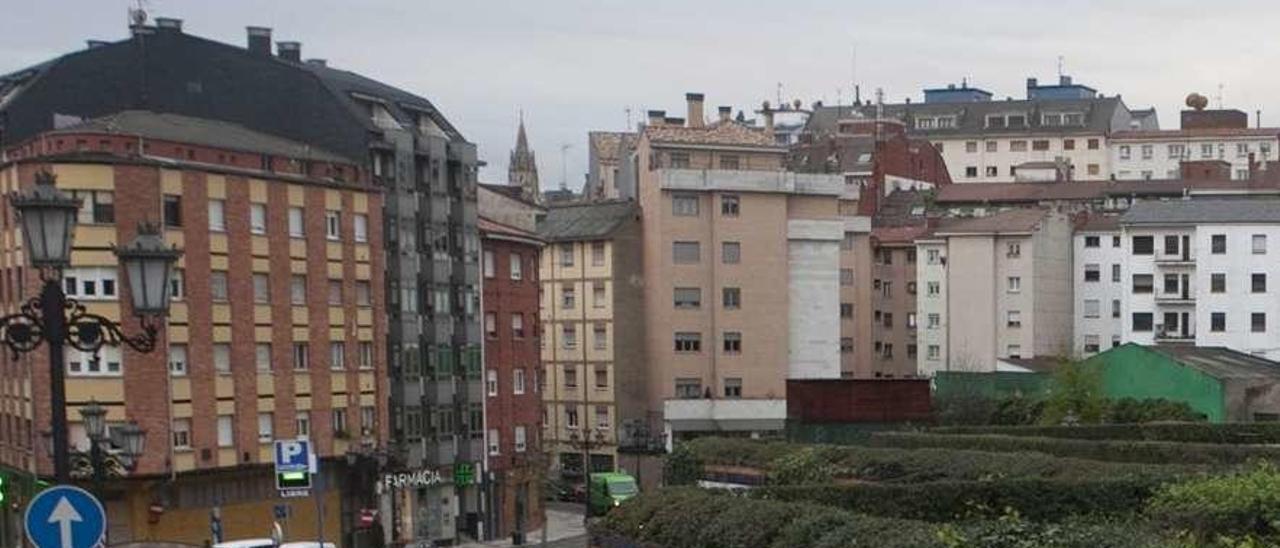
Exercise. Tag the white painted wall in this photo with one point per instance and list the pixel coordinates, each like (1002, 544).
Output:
(1136, 159)
(813, 286)
(931, 270)
(959, 156)
(1106, 329)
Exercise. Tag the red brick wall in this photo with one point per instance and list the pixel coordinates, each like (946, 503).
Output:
(503, 353)
(862, 400)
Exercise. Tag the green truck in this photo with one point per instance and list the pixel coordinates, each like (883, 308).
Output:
(609, 489)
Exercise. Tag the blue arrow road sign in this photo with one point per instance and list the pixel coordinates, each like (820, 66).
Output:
(65, 517)
(293, 456)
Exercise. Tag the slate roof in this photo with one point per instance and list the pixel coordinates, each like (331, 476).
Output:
(720, 134)
(198, 131)
(1011, 221)
(971, 117)
(1202, 211)
(1165, 134)
(1220, 362)
(1086, 190)
(1099, 223)
(586, 221)
(490, 226)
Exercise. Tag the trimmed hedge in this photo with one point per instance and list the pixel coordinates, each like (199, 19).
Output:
(1244, 503)
(894, 465)
(1240, 433)
(1035, 499)
(1150, 452)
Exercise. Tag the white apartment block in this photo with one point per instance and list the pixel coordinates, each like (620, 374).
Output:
(1098, 254)
(1137, 155)
(992, 288)
(1203, 272)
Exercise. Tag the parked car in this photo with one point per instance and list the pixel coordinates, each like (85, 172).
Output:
(609, 489)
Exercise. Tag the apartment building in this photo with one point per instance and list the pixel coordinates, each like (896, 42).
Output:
(1202, 272)
(1222, 135)
(592, 333)
(426, 172)
(983, 139)
(510, 258)
(994, 288)
(1098, 255)
(273, 331)
(742, 265)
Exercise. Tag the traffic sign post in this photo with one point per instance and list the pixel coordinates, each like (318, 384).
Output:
(64, 516)
(293, 467)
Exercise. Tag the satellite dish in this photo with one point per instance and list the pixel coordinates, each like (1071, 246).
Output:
(138, 17)
(1197, 101)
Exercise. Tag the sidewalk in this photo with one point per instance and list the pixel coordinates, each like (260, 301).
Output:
(564, 522)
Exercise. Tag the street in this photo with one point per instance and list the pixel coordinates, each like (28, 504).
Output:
(565, 529)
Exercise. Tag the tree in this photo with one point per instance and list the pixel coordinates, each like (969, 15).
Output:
(1075, 395)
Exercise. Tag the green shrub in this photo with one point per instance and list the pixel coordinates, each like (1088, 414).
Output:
(1075, 395)
(681, 467)
(1150, 452)
(1243, 503)
(1135, 411)
(1012, 531)
(1037, 499)
(805, 465)
(1188, 432)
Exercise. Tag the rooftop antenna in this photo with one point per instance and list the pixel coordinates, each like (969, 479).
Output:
(1218, 98)
(839, 95)
(628, 126)
(138, 14)
(564, 169)
(779, 103)
(1060, 63)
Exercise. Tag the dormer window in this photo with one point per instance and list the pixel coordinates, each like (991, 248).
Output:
(946, 122)
(1051, 120)
(1073, 119)
(1016, 120)
(995, 121)
(925, 123)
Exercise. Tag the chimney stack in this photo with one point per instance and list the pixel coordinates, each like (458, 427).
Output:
(1064, 80)
(289, 51)
(725, 114)
(1031, 83)
(259, 40)
(768, 119)
(656, 117)
(169, 23)
(695, 109)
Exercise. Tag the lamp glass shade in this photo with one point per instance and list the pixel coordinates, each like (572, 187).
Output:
(95, 420)
(148, 264)
(134, 439)
(48, 218)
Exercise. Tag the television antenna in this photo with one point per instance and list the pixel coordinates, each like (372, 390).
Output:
(564, 168)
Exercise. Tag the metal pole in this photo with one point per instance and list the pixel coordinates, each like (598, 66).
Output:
(53, 303)
(319, 503)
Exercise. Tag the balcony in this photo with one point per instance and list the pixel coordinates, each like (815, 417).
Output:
(1177, 259)
(1174, 337)
(1184, 297)
(711, 415)
(751, 181)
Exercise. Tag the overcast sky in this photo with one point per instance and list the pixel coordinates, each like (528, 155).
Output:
(575, 66)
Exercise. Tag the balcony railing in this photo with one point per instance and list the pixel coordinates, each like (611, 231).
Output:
(1182, 297)
(1175, 336)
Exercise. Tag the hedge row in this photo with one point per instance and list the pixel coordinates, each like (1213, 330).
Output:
(1186, 432)
(1035, 499)
(1149, 452)
(692, 518)
(887, 464)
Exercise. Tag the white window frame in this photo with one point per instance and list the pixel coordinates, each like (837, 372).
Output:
(217, 215)
(521, 439)
(517, 381)
(222, 358)
(360, 227)
(227, 435)
(178, 364)
(258, 218)
(297, 222)
(266, 427)
(332, 225)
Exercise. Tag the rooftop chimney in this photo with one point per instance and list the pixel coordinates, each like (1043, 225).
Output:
(289, 51)
(318, 62)
(768, 119)
(1064, 80)
(259, 40)
(656, 117)
(725, 114)
(169, 23)
(694, 101)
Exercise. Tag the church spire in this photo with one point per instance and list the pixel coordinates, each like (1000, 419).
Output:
(522, 169)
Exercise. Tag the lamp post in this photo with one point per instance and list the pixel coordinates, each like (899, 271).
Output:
(48, 218)
(132, 437)
(591, 437)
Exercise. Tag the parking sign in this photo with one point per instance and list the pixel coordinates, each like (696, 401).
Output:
(293, 456)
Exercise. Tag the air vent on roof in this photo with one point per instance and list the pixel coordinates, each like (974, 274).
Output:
(318, 62)
(169, 23)
(96, 43)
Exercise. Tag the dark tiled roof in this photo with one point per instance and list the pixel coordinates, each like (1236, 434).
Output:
(198, 131)
(490, 226)
(1203, 211)
(971, 117)
(1099, 223)
(1163, 134)
(1220, 362)
(898, 234)
(1088, 190)
(586, 221)
(1011, 221)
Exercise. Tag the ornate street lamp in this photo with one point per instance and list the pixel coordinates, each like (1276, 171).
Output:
(134, 439)
(48, 218)
(95, 421)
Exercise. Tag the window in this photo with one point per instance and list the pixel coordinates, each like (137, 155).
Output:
(332, 225)
(226, 431)
(1258, 322)
(1171, 283)
(602, 417)
(1176, 151)
(491, 382)
(1092, 308)
(301, 356)
(1068, 144)
(521, 439)
(105, 363)
(846, 310)
(732, 342)
(570, 376)
(1092, 241)
(1017, 146)
(339, 418)
(933, 320)
(571, 416)
(363, 295)
(517, 325)
(218, 285)
(598, 296)
(933, 289)
(1091, 343)
(177, 360)
(176, 289)
(568, 296)
(566, 254)
(846, 345)
(733, 387)
(266, 431)
(222, 358)
(1093, 169)
(1144, 245)
(1143, 283)
(487, 264)
(679, 160)
(728, 162)
(337, 355)
(1142, 322)
(1115, 241)
(172, 211)
(261, 288)
(731, 298)
(599, 337)
(991, 146)
(302, 423)
(1040, 144)
(569, 336)
(1217, 283)
(729, 206)
(516, 266)
(933, 256)
(1115, 308)
(1093, 144)
(688, 297)
(258, 218)
(686, 252)
(296, 229)
(181, 430)
(335, 292)
(846, 276)
(971, 146)
(1218, 322)
(1014, 250)
(298, 289)
(1014, 351)
(730, 252)
(933, 352)
(1115, 272)
(1259, 244)
(1014, 318)
(90, 284)
(1218, 244)
(1092, 272)
(597, 253)
(217, 216)
(490, 325)
(361, 227)
(1258, 283)
(368, 416)
(688, 342)
(684, 205)
(971, 171)
(262, 357)
(687, 388)
(365, 355)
